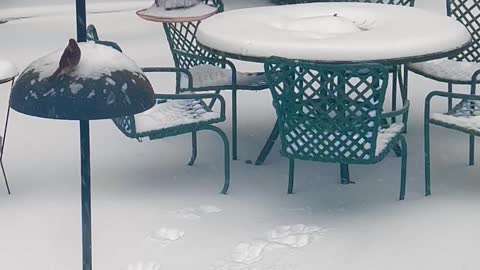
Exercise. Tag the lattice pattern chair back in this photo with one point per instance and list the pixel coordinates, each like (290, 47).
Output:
(183, 42)
(327, 113)
(468, 13)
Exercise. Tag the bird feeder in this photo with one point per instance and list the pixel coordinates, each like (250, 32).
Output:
(104, 84)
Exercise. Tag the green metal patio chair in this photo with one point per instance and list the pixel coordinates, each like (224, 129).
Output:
(209, 71)
(174, 114)
(460, 68)
(463, 117)
(332, 113)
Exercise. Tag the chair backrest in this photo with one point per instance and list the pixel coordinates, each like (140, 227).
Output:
(126, 124)
(329, 113)
(183, 44)
(467, 12)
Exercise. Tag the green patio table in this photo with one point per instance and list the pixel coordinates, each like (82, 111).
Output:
(333, 33)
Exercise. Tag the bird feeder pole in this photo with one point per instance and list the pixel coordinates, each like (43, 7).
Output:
(85, 156)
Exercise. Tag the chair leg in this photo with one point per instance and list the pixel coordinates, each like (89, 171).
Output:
(291, 175)
(394, 92)
(226, 156)
(268, 145)
(427, 156)
(449, 99)
(403, 174)
(5, 176)
(194, 149)
(397, 149)
(345, 174)
(471, 155)
(212, 102)
(234, 124)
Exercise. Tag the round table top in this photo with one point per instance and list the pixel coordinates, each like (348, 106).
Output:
(8, 71)
(333, 32)
(198, 12)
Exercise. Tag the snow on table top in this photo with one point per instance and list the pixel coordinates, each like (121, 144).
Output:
(96, 61)
(7, 70)
(160, 14)
(333, 32)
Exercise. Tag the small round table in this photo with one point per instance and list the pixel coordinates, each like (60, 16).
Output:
(333, 33)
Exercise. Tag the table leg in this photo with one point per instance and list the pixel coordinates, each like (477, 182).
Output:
(268, 145)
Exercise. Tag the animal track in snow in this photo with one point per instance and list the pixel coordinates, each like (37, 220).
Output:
(195, 213)
(166, 235)
(287, 236)
(144, 266)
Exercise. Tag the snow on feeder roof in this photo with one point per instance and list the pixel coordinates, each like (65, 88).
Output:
(7, 71)
(104, 84)
(171, 11)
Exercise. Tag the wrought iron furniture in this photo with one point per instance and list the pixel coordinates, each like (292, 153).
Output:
(463, 117)
(174, 114)
(460, 68)
(393, 2)
(210, 72)
(408, 21)
(9, 76)
(332, 113)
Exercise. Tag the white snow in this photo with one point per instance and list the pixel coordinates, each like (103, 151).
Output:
(200, 10)
(332, 32)
(7, 70)
(298, 235)
(96, 61)
(209, 75)
(446, 69)
(208, 209)
(472, 122)
(172, 113)
(135, 186)
(167, 234)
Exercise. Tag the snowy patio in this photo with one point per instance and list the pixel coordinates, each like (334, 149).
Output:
(151, 211)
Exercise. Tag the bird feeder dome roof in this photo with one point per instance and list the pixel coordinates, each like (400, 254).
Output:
(104, 84)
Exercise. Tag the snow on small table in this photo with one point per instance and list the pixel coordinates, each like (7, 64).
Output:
(333, 32)
(7, 71)
(160, 14)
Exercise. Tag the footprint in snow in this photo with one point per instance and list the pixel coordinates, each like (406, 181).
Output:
(144, 266)
(195, 213)
(166, 235)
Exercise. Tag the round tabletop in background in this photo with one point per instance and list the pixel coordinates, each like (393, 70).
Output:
(198, 12)
(333, 32)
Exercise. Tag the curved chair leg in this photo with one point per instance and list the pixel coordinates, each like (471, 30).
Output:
(449, 99)
(226, 157)
(5, 176)
(427, 155)
(471, 154)
(194, 149)
(234, 124)
(291, 175)
(403, 174)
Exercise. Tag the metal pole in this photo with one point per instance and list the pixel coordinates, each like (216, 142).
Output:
(81, 21)
(86, 200)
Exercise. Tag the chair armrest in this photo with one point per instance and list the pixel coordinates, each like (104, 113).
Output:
(221, 61)
(402, 111)
(195, 96)
(171, 69)
(433, 94)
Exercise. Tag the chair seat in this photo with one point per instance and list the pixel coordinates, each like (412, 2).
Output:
(446, 70)
(338, 145)
(465, 116)
(168, 114)
(214, 76)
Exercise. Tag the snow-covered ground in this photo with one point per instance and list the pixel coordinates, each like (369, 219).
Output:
(152, 212)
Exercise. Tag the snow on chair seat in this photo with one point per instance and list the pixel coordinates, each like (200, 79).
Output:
(205, 76)
(446, 70)
(167, 114)
(465, 116)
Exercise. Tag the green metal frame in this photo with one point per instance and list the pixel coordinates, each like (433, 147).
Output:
(391, 2)
(126, 124)
(427, 121)
(4, 138)
(187, 53)
(332, 113)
